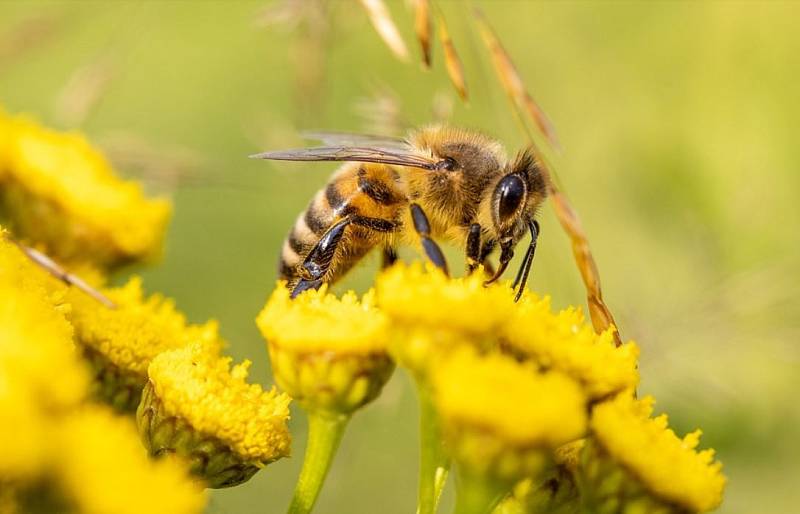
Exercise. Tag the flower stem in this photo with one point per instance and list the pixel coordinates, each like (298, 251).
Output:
(476, 494)
(324, 435)
(433, 463)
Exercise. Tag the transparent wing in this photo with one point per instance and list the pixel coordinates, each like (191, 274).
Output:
(397, 157)
(328, 138)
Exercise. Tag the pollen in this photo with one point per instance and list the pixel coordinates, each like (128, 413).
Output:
(216, 399)
(61, 193)
(670, 467)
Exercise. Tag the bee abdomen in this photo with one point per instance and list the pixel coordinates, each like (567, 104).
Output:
(306, 232)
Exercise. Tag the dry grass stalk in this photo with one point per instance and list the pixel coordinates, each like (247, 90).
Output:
(385, 27)
(599, 312)
(83, 91)
(26, 35)
(455, 70)
(422, 25)
(512, 81)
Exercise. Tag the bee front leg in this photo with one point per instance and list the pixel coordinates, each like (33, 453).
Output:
(319, 259)
(473, 248)
(423, 228)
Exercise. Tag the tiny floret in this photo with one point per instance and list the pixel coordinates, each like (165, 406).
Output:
(671, 468)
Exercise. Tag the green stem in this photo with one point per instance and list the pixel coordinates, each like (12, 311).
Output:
(477, 495)
(433, 462)
(324, 435)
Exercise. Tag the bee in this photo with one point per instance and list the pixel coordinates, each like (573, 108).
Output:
(439, 183)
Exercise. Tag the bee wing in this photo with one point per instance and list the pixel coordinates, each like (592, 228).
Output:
(360, 140)
(397, 157)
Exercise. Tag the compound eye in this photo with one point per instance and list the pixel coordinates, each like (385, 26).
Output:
(447, 164)
(510, 193)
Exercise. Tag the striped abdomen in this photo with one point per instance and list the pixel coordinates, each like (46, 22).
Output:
(369, 195)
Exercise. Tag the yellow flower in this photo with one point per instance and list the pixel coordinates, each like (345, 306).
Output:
(195, 403)
(503, 418)
(432, 313)
(101, 468)
(328, 353)
(60, 192)
(120, 343)
(566, 343)
(40, 371)
(668, 467)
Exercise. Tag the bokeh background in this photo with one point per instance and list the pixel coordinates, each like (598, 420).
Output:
(679, 123)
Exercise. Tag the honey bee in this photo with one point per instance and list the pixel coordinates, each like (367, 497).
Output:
(440, 182)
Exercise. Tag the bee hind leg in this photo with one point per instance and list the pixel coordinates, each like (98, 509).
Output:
(319, 259)
(423, 228)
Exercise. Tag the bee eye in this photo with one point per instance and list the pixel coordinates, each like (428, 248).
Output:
(447, 164)
(509, 193)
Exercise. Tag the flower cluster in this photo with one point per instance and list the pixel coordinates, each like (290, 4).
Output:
(59, 453)
(534, 408)
(66, 357)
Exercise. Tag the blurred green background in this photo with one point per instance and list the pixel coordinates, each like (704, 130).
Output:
(679, 123)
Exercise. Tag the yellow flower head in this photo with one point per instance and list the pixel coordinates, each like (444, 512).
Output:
(100, 467)
(328, 353)
(565, 342)
(60, 192)
(120, 343)
(40, 372)
(432, 313)
(195, 402)
(502, 416)
(669, 467)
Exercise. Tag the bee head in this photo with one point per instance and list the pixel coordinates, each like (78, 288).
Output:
(517, 196)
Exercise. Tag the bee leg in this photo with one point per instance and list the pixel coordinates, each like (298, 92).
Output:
(423, 228)
(488, 248)
(506, 254)
(525, 267)
(389, 257)
(305, 285)
(319, 259)
(473, 248)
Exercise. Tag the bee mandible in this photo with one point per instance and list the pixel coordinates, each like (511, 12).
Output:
(440, 182)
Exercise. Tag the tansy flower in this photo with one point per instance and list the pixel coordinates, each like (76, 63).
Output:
(565, 342)
(100, 467)
(329, 354)
(636, 461)
(431, 312)
(502, 420)
(61, 193)
(120, 343)
(197, 406)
